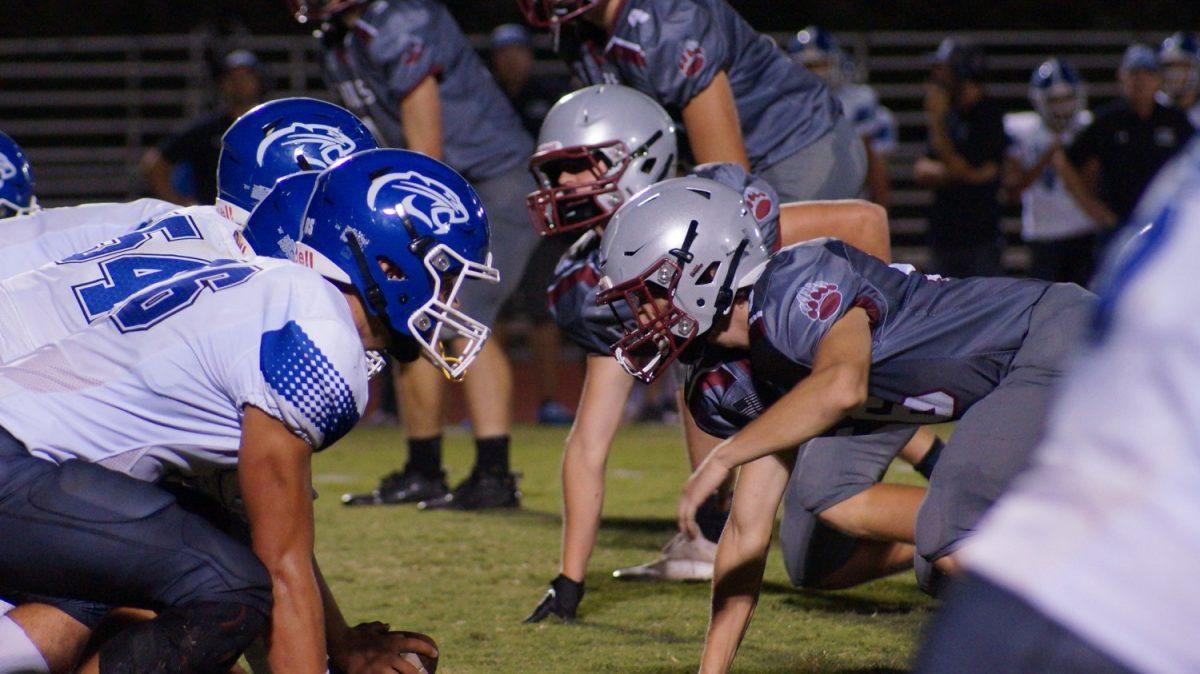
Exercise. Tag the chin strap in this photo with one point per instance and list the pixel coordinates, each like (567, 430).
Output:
(684, 255)
(726, 293)
(374, 294)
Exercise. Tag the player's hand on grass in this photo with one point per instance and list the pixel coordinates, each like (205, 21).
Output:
(372, 648)
(562, 600)
(704, 482)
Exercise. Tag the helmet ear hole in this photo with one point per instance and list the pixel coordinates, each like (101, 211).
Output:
(709, 275)
(648, 165)
(391, 270)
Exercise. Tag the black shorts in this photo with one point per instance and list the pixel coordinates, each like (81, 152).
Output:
(97, 538)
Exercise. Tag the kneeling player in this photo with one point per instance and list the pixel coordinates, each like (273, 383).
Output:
(826, 326)
(266, 367)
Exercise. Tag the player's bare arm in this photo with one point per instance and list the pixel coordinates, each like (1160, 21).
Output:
(421, 112)
(838, 384)
(275, 475)
(742, 556)
(713, 127)
(1017, 178)
(859, 223)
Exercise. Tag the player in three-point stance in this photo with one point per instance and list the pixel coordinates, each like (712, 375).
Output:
(827, 326)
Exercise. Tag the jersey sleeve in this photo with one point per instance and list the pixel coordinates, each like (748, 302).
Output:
(803, 291)
(309, 374)
(683, 49)
(721, 396)
(403, 51)
(887, 133)
(571, 299)
(760, 197)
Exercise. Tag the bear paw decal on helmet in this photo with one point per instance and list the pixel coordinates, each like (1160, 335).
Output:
(820, 300)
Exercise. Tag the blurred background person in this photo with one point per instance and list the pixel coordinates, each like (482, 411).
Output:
(816, 49)
(962, 166)
(183, 168)
(1179, 56)
(1114, 158)
(511, 56)
(1060, 235)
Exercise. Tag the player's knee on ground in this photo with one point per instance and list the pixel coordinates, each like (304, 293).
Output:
(200, 637)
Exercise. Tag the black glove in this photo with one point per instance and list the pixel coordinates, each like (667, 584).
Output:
(562, 599)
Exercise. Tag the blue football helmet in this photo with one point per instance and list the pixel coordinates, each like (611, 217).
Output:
(1179, 57)
(277, 139)
(1057, 94)
(274, 225)
(815, 49)
(16, 180)
(407, 232)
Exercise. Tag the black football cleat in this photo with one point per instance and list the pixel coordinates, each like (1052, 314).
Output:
(480, 491)
(409, 486)
(561, 600)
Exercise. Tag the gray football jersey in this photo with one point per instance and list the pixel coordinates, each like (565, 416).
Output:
(672, 49)
(393, 48)
(574, 286)
(937, 345)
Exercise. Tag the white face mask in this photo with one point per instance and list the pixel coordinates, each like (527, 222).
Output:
(440, 319)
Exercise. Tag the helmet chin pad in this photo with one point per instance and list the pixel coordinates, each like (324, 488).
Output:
(662, 331)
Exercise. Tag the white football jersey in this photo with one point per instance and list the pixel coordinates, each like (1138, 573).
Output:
(160, 384)
(1047, 210)
(1102, 533)
(860, 105)
(54, 300)
(51, 234)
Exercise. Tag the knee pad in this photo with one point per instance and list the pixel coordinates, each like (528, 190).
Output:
(203, 637)
(18, 654)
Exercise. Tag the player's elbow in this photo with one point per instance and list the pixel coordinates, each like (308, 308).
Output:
(871, 223)
(847, 388)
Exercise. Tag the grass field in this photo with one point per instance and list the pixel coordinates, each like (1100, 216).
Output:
(469, 579)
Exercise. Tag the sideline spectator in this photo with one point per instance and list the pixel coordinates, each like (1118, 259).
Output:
(1113, 160)
(1060, 235)
(1179, 56)
(966, 149)
(194, 150)
(512, 59)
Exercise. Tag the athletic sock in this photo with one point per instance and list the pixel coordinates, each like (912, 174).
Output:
(425, 456)
(491, 455)
(926, 464)
(711, 518)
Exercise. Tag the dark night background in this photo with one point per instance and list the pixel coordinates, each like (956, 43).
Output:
(45, 18)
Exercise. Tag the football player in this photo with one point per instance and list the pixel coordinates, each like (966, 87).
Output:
(16, 180)
(60, 295)
(271, 141)
(251, 364)
(1060, 234)
(598, 147)
(827, 326)
(1179, 56)
(1051, 582)
(737, 94)
(816, 49)
(407, 68)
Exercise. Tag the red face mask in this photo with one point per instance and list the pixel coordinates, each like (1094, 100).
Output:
(662, 331)
(557, 208)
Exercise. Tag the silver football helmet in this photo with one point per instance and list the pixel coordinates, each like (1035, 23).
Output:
(597, 147)
(676, 254)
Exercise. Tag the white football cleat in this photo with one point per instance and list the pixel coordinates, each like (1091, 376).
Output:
(682, 559)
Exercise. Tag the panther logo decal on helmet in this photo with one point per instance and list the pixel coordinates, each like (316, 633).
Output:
(329, 142)
(424, 198)
(7, 169)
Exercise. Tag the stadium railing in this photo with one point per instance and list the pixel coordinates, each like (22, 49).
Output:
(87, 108)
